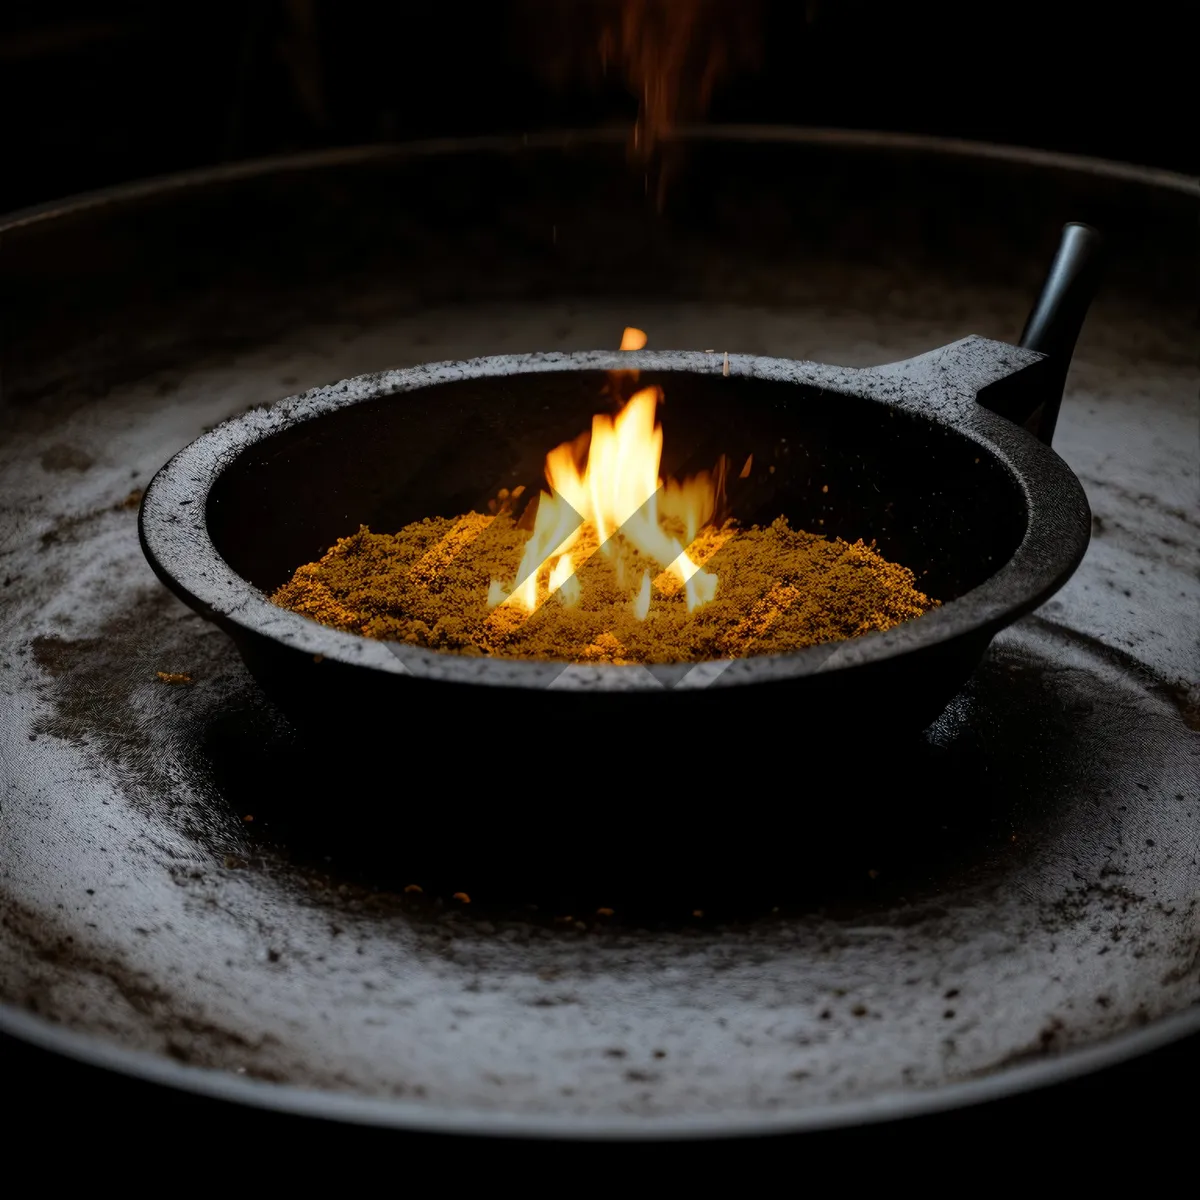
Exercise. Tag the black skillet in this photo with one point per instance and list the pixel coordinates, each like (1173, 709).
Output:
(944, 460)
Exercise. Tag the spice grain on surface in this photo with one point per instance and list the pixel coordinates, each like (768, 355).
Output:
(780, 589)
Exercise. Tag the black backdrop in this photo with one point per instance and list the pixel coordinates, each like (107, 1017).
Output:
(96, 92)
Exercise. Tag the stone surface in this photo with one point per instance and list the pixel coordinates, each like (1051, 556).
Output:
(1029, 899)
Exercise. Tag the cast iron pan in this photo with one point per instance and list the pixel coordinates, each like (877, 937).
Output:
(926, 457)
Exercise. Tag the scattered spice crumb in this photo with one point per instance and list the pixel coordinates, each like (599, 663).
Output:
(780, 589)
(462, 897)
(604, 912)
(414, 887)
(173, 676)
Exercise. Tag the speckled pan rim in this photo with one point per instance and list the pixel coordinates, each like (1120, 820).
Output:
(417, 1118)
(177, 544)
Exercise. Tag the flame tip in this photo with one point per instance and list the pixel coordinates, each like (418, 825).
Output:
(605, 488)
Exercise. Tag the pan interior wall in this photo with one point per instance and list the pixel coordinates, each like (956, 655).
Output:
(833, 464)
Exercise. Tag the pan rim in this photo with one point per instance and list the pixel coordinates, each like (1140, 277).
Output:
(408, 1115)
(180, 550)
(1155, 178)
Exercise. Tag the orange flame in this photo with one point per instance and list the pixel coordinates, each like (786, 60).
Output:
(609, 499)
(671, 55)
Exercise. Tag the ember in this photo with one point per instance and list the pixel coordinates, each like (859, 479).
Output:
(619, 567)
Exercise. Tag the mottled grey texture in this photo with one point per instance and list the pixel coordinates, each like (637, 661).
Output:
(1048, 917)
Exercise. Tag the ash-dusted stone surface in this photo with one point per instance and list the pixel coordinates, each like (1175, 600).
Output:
(138, 909)
(1028, 895)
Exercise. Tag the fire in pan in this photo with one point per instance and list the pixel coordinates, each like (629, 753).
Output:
(941, 463)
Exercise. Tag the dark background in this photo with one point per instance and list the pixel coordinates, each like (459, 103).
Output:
(103, 92)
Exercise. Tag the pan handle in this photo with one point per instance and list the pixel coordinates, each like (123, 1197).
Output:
(1054, 324)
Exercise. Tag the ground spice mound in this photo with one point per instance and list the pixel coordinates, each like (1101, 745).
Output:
(780, 589)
